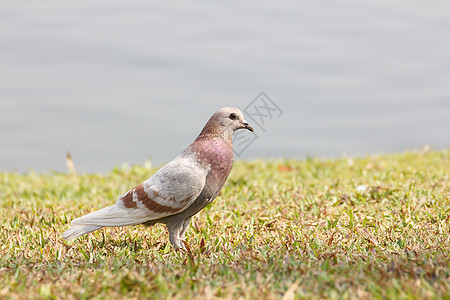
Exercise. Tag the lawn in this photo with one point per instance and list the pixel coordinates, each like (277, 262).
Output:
(370, 227)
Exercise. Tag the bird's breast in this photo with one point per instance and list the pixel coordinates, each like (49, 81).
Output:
(217, 155)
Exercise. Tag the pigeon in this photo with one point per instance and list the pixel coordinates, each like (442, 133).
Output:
(179, 189)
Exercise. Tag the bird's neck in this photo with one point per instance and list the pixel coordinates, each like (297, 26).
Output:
(210, 132)
(216, 154)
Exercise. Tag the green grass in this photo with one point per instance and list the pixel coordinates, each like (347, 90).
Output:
(280, 229)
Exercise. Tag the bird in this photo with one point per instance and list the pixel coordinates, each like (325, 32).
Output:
(178, 190)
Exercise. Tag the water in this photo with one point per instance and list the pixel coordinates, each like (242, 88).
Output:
(122, 81)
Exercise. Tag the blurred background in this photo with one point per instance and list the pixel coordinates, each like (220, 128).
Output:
(123, 81)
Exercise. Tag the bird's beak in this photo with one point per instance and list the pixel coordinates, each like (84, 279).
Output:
(245, 124)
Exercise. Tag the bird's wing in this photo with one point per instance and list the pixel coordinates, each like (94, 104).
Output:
(172, 189)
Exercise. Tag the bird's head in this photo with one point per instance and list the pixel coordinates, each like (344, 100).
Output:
(231, 119)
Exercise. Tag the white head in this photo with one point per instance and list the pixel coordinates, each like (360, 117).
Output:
(231, 119)
(224, 122)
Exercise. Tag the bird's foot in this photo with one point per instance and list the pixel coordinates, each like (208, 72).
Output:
(179, 245)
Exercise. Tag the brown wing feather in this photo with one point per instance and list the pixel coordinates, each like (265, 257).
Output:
(138, 194)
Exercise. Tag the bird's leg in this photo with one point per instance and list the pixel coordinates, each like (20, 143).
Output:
(174, 234)
(184, 228)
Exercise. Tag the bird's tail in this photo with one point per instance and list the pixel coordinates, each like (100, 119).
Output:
(111, 216)
(79, 230)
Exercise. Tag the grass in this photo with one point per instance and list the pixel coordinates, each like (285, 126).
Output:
(281, 229)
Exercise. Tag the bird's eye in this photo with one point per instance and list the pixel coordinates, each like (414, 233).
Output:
(233, 116)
